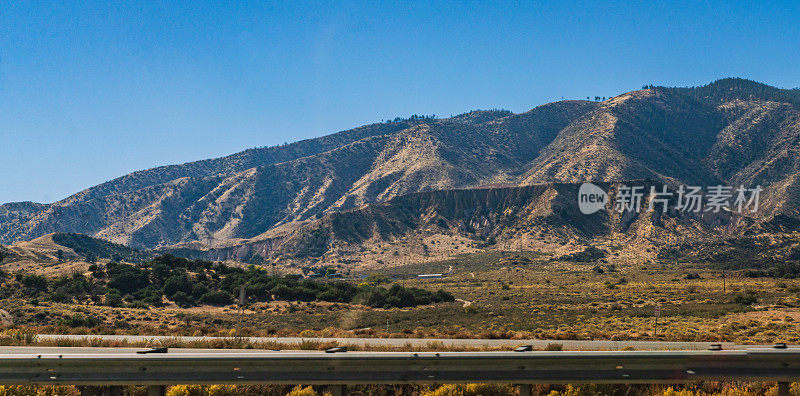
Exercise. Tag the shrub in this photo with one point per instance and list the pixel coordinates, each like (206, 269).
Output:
(182, 299)
(473, 390)
(34, 283)
(588, 255)
(21, 336)
(198, 289)
(61, 297)
(400, 297)
(148, 284)
(553, 346)
(79, 320)
(376, 278)
(747, 298)
(113, 299)
(25, 390)
(177, 283)
(300, 391)
(218, 298)
(126, 278)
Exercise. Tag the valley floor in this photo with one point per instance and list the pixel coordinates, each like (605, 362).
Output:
(511, 295)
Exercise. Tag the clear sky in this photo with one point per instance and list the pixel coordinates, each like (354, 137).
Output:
(91, 91)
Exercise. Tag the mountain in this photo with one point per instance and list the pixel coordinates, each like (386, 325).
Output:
(435, 224)
(732, 132)
(63, 253)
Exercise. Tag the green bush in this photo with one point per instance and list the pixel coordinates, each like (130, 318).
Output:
(127, 278)
(79, 320)
(218, 298)
(182, 299)
(177, 283)
(113, 299)
(376, 278)
(747, 298)
(588, 255)
(192, 282)
(34, 283)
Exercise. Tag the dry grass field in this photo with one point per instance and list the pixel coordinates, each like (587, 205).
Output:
(499, 295)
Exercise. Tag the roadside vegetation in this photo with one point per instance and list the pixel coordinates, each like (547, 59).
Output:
(511, 295)
(515, 295)
(699, 389)
(190, 283)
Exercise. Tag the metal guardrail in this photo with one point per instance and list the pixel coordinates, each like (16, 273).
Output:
(604, 345)
(782, 365)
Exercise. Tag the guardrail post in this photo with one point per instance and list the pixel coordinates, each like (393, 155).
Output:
(102, 390)
(89, 391)
(337, 390)
(783, 389)
(157, 390)
(525, 390)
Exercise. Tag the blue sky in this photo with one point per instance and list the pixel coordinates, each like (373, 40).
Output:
(91, 91)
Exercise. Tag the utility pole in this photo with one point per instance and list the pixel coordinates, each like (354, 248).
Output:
(242, 298)
(723, 281)
(655, 328)
(403, 282)
(657, 313)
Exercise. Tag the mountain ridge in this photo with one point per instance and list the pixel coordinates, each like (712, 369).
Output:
(729, 131)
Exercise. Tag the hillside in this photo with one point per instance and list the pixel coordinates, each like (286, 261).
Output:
(433, 225)
(427, 155)
(64, 253)
(732, 131)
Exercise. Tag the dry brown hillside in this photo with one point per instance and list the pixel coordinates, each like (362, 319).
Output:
(731, 131)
